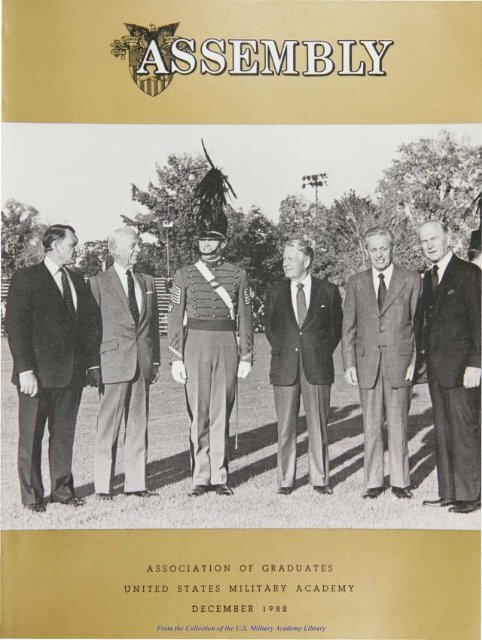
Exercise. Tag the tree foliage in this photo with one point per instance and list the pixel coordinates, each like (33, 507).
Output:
(171, 200)
(433, 178)
(21, 237)
(93, 257)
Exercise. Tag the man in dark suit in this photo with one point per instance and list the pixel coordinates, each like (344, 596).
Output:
(449, 336)
(51, 332)
(378, 349)
(303, 325)
(130, 358)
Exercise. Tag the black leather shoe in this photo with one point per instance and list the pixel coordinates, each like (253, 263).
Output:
(402, 492)
(325, 490)
(224, 490)
(466, 506)
(142, 494)
(374, 492)
(36, 507)
(103, 496)
(71, 502)
(198, 490)
(441, 502)
(285, 491)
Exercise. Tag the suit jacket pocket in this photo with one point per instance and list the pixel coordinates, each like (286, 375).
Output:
(359, 349)
(109, 345)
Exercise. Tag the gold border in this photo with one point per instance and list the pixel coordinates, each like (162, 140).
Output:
(58, 67)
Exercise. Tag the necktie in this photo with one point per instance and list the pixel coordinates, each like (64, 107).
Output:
(382, 291)
(131, 294)
(434, 278)
(301, 304)
(67, 293)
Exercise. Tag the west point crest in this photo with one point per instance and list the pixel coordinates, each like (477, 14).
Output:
(138, 45)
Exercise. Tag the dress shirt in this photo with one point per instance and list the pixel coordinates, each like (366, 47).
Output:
(442, 264)
(121, 272)
(56, 273)
(387, 274)
(306, 290)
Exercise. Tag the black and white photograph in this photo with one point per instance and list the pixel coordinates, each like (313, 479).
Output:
(225, 326)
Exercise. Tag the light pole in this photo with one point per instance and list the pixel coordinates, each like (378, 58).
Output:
(167, 225)
(316, 180)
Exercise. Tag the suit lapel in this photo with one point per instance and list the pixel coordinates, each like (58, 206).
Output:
(51, 285)
(117, 286)
(315, 289)
(142, 286)
(287, 302)
(369, 289)
(397, 283)
(49, 280)
(449, 276)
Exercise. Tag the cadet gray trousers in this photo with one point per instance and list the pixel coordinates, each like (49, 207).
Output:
(211, 360)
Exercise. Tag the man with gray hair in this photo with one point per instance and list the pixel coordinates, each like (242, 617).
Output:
(129, 363)
(378, 350)
(303, 326)
(448, 330)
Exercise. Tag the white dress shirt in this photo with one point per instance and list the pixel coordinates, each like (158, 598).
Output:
(387, 275)
(56, 272)
(306, 289)
(443, 264)
(121, 272)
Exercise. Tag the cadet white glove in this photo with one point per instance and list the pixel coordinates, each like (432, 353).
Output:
(243, 369)
(178, 371)
(410, 372)
(28, 383)
(351, 376)
(471, 377)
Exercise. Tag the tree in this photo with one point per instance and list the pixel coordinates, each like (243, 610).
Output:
(340, 232)
(261, 245)
(293, 216)
(93, 257)
(21, 237)
(433, 178)
(171, 200)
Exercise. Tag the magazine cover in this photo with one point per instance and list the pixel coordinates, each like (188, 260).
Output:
(240, 306)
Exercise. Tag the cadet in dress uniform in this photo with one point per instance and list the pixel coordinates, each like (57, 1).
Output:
(210, 304)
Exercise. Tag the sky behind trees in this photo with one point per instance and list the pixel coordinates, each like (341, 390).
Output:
(82, 174)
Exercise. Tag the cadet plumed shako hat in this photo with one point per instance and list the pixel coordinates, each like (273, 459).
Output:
(210, 200)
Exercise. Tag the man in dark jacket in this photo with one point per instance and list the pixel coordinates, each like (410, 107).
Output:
(52, 335)
(448, 329)
(303, 325)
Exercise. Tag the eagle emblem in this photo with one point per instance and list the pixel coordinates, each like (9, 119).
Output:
(146, 48)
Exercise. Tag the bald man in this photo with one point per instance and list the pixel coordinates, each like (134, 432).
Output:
(129, 363)
(449, 336)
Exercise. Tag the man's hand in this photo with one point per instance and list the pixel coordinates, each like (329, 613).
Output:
(471, 377)
(243, 369)
(155, 373)
(28, 383)
(178, 371)
(94, 378)
(410, 372)
(351, 376)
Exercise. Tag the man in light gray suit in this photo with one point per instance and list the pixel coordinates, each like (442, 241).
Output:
(129, 363)
(378, 350)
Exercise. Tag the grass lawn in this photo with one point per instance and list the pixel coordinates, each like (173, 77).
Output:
(252, 469)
